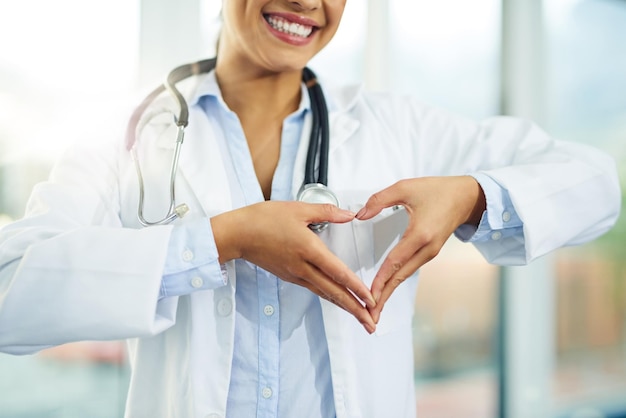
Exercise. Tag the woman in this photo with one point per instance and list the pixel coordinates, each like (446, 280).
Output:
(222, 308)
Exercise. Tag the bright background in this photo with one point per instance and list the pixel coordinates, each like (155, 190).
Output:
(544, 341)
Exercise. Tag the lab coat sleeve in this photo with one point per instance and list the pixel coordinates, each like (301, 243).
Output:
(564, 193)
(69, 271)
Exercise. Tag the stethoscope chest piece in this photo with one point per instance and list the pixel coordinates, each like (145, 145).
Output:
(317, 193)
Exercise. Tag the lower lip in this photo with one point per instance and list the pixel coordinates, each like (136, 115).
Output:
(290, 39)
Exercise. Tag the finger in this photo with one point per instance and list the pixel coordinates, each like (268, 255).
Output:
(332, 266)
(327, 289)
(391, 196)
(420, 258)
(404, 250)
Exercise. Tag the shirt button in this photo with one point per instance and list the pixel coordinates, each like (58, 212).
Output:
(224, 307)
(266, 393)
(187, 255)
(197, 282)
(268, 310)
(496, 235)
(506, 216)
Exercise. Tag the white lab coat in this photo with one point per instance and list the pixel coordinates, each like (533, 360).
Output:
(80, 267)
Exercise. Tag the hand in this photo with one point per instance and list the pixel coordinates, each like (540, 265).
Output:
(437, 206)
(275, 236)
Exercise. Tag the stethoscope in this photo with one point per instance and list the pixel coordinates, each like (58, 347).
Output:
(314, 190)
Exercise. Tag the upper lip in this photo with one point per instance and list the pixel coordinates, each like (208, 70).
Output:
(295, 18)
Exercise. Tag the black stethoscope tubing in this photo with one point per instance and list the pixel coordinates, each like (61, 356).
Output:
(319, 132)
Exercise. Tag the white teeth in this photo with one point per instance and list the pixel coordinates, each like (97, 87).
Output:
(290, 28)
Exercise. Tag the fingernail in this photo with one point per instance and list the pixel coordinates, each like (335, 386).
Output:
(370, 328)
(362, 212)
(376, 295)
(376, 317)
(372, 302)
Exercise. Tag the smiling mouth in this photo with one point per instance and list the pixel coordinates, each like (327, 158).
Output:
(290, 28)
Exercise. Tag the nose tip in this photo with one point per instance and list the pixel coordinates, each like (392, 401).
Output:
(306, 4)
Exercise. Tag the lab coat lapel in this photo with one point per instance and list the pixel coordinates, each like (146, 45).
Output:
(202, 166)
(342, 126)
(200, 163)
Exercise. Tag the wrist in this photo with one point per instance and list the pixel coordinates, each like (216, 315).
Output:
(477, 201)
(226, 233)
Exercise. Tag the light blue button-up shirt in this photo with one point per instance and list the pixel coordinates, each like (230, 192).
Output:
(278, 324)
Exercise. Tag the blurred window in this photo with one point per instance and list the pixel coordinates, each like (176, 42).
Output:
(66, 67)
(341, 62)
(446, 53)
(587, 103)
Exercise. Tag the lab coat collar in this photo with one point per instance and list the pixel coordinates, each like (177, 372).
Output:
(342, 99)
(201, 163)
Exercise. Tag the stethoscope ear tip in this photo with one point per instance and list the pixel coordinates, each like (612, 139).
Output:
(181, 210)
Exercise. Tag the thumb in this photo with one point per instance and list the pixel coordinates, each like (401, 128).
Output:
(326, 212)
(376, 203)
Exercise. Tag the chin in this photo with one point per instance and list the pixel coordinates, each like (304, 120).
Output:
(288, 64)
